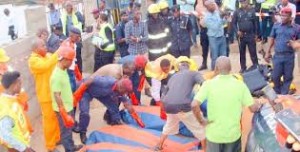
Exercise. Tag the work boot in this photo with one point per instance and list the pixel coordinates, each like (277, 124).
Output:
(83, 137)
(203, 67)
(77, 147)
(117, 122)
(76, 129)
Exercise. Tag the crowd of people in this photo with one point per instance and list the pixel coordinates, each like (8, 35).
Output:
(155, 57)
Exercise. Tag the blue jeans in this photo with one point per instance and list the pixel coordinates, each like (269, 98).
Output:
(283, 67)
(84, 106)
(65, 134)
(195, 29)
(217, 46)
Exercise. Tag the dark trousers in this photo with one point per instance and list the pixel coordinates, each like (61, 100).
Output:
(267, 25)
(228, 147)
(283, 67)
(84, 106)
(65, 134)
(178, 53)
(135, 78)
(154, 56)
(78, 56)
(11, 32)
(248, 40)
(102, 58)
(227, 36)
(204, 44)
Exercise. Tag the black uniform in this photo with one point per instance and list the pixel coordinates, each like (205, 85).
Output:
(181, 28)
(245, 21)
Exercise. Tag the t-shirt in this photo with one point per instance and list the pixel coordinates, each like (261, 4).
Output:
(225, 98)
(179, 91)
(59, 82)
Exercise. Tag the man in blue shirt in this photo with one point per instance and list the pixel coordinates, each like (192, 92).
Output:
(54, 15)
(284, 56)
(215, 31)
(110, 92)
(122, 46)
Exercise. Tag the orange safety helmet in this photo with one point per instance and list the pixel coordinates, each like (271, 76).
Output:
(66, 52)
(140, 61)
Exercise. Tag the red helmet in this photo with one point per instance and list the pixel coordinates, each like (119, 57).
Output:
(140, 61)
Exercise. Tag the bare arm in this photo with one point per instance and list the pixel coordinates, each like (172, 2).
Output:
(58, 99)
(197, 112)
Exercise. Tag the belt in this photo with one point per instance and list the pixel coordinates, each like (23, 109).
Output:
(284, 53)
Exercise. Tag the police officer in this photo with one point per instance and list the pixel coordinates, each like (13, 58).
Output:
(181, 28)
(244, 21)
(284, 56)
(158, 42)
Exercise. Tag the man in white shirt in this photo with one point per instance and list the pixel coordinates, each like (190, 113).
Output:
(10, 23)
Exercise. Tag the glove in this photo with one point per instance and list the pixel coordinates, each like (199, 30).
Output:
(133, 98)
(67, 119)
(22, 99)
(78, 94)
(138, 120)
(77, 73)
(142, 82)
(163, 114)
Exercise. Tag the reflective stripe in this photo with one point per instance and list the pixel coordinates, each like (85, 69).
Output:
(163, 50)
(160, 35)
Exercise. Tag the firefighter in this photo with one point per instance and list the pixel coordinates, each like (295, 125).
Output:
(164, 10)
(158, 33)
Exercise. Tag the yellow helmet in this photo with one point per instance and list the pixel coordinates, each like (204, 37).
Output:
(153, 9)
(163, 5)
(192, 63)
(3, 56)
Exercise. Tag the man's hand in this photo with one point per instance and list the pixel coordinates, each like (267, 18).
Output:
(240, 34)
(268, 56)
(294, 44)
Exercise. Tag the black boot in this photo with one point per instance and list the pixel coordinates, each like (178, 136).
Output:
(203, 67)
(77, 147)
(83, 137)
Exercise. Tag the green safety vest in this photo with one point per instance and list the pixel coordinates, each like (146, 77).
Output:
(75, 22)
(268, 4)
(111, 46)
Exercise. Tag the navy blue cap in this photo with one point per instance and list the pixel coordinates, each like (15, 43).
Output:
(75, 30)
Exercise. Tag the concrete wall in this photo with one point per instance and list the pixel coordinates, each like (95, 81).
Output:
(20, 50)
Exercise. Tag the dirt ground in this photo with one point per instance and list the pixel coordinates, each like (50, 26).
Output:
(97, 109)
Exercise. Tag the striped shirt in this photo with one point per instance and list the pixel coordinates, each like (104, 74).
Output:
(140, 31)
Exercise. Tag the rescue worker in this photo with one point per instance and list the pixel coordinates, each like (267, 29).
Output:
(138, 77)
(15, 132)
(122, 46)
(111, 93)
(157, 74)
(165, 12)
(284, 57)
(105, 54)
(244, 20)
(158, 31)
(73, 71)
(177, 104)
(180, 30)
(62, 97)
(286, 3)
(41, 65)
(70, 21)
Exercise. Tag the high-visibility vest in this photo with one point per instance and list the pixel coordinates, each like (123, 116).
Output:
(111, 46)
(153, 69)
(10, 107)
(75, 22)
(268, 4)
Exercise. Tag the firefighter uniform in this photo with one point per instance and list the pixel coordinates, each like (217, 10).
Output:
(158, 42)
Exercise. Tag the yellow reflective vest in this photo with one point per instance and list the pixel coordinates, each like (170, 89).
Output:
(268, 4)
(111, 46)
(75, 22)
(9, 107)
(153, 69)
